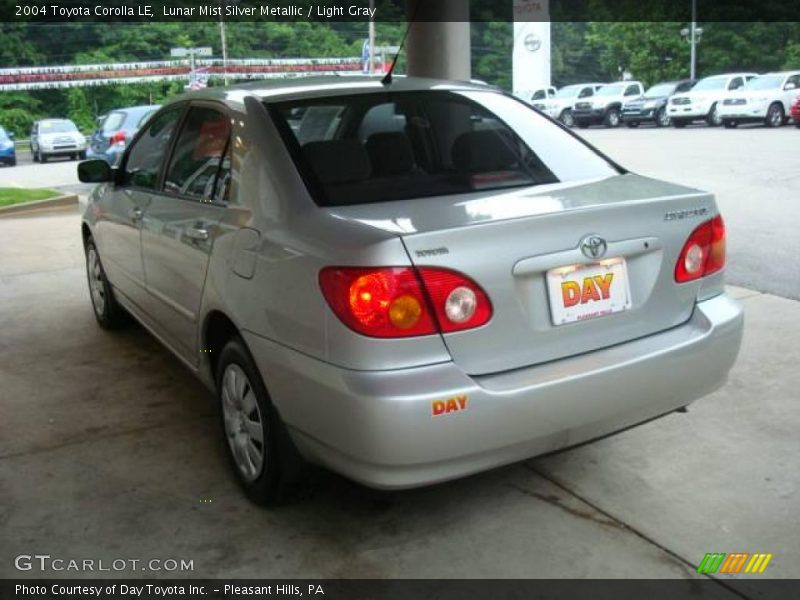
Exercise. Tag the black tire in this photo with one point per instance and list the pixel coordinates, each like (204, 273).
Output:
(13, 162)
(662, 119)
(713, 119)
(679, 123)
(775, 116)
(730, 123)
(797, 124)
(34, 155)
(566, 118)
(82, 155)
(42, 157)
(612, 118)
(108, 312)
(281, 463)
(632, 124)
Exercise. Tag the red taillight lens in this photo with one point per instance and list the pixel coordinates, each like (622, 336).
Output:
(703, 253)
(392, 302)
(117, 138)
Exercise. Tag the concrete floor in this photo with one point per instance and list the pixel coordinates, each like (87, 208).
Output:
(110, 449)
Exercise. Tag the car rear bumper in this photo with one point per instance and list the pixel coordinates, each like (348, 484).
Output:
(378, 428)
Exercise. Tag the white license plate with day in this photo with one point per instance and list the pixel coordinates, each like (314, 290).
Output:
(583, 292)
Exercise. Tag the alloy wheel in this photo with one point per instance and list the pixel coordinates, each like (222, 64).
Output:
(96, 284)
(244, 423)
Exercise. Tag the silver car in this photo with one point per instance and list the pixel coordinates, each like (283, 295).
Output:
(406, 283)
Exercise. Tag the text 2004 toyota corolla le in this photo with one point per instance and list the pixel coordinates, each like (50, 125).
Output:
(409, 282)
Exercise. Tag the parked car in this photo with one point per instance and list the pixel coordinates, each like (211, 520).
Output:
(605, 107)
(117, 129)
(400, 315)
(8, 154)
(56, 137)
(652, 106)
(795, 111)
(560, 106)
(766, 98)
(537, 98)
(702, 102)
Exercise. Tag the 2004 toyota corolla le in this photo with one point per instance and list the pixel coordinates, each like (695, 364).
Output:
(406, 282)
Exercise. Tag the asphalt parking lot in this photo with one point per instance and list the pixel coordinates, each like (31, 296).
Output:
(109, 448)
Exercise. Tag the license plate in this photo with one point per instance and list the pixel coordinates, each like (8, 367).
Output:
(582, 292)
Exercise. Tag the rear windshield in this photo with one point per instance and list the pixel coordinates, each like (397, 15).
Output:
(392, 146)
(113, 121)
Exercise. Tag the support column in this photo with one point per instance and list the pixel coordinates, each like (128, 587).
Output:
(438, 43)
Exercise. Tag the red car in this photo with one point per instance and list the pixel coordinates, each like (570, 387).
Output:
(795, 112)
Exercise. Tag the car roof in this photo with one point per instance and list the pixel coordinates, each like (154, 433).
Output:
(325, 86)
(727, 75)
(137, 109)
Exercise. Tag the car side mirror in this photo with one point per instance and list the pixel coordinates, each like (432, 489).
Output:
(789, 86)
(95, 171)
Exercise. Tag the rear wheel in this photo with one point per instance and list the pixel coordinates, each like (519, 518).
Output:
(82, 155)
(775, 116)
(109, 314)
(713, 119)
(662, 118)
(612, 118)
(730, 123)
(566, 118)
(259, 448)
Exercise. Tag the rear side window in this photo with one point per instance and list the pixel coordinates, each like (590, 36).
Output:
(390, 146)
(147, 153)
(197, 159)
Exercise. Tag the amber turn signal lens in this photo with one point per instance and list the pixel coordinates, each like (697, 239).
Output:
(405, 311)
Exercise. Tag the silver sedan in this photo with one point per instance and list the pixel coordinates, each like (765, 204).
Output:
(406, 282)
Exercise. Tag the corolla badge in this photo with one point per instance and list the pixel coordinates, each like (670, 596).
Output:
(593, 246)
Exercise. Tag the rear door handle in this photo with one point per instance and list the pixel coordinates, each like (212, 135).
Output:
(197, 233)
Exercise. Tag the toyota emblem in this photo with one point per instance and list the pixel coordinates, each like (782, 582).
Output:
(593, 246)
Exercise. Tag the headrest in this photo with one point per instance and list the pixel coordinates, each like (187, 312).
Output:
(390, 153)
(484, 151)
(338, 161)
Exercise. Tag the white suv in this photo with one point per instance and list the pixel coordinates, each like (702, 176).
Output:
(767, 98)
(606, 105)
(702, 102)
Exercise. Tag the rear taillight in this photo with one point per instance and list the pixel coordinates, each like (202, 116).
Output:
(703, 253)
(392, 302)
(117, 138)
